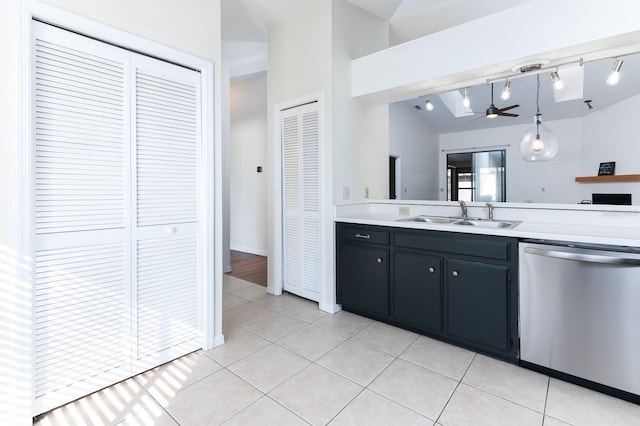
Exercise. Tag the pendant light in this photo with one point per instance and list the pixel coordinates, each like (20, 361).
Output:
(538, 143)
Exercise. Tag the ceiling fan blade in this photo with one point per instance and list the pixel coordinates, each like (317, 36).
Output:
(509, 107)
(507, 114)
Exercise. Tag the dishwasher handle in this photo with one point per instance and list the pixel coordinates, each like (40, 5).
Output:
(618, 259)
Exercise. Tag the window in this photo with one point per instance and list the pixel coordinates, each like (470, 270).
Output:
(476, 176)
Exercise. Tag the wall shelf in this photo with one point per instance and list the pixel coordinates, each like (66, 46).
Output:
(612, 178)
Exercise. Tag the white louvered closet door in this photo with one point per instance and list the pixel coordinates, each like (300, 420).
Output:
(81, 258)
(116, 245)
(166, 155)
(301, 200)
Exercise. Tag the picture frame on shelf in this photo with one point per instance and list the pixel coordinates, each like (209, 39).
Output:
(607, 169)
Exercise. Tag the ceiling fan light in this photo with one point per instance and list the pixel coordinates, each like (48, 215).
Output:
(506, 91)
(428, 105)
(557, 82)
(466, 102)
(614, 75)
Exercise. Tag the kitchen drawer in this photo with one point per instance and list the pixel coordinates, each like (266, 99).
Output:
(443, 242)
(364, 234)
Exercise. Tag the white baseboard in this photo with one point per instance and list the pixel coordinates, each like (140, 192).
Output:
(250, 250)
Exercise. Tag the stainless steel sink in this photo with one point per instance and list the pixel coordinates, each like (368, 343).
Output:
(430, 219)
(487, 223)
(480, 223)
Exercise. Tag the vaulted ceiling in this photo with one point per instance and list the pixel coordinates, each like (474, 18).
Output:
(248, 20)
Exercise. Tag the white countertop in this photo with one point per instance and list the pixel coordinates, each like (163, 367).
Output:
(589, 230)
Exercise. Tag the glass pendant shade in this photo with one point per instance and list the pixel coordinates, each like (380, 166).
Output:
(538, 143)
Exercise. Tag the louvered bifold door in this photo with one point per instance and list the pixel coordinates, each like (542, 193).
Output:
(167, 132)
(301, 199)
(81, 151)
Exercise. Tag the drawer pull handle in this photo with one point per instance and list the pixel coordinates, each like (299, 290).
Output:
(379, 260)
(455, 273)
(432, 269)
(365, 236)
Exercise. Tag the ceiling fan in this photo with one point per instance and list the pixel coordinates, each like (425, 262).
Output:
(494, 111)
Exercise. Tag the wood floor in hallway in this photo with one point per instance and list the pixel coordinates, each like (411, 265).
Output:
(249, 267)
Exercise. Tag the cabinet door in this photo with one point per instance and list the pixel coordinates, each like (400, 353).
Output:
(478, 303)
(364, 279)
(417, 290)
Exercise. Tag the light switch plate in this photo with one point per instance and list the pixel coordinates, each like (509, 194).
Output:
(346, 192)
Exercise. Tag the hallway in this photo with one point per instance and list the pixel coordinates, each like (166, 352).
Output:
(249, 267)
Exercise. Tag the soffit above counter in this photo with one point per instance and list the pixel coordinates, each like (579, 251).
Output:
(489, 47)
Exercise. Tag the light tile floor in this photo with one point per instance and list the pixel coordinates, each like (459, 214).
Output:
(287, 363)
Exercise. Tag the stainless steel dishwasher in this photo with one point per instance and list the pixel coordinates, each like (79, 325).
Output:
(580, 313)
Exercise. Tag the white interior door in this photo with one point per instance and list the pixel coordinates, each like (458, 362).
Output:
(117, 235)
(301, 200)
(166, 117)
(82, 267)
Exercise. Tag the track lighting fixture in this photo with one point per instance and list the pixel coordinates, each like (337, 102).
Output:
(428, 105)
(614, 75)
(557, 82)
(506, 91)
(465, 99)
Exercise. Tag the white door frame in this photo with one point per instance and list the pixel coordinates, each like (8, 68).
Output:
(327, 265)
(210, 211)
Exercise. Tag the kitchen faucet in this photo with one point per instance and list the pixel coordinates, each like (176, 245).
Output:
(463, 207)
(490, 206)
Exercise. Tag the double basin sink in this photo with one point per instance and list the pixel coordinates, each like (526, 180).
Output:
(481, 223)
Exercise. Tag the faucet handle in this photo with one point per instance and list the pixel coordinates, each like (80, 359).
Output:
(491, 207)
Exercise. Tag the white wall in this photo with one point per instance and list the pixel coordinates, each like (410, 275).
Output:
(248, 189)
(311, 56)
(192, 26)
(416, 144)
(611, 134)
(299, 58)
(360, 142)
(608, 134)
(539, 182)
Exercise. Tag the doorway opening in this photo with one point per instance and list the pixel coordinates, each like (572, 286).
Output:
(476, 176)
(394, 178)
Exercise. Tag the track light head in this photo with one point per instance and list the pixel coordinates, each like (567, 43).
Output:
(428, 105)
(557, 82)
(506, 91)
(614, 75)
(466, 102)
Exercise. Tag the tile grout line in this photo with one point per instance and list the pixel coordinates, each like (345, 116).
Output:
(456, 389)
(154, 399)
(546, 400)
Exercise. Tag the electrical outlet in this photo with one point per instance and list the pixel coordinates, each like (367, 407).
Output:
(403, 210)
(366, 193)
(346, 193)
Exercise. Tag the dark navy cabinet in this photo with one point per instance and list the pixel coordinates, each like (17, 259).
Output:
(454, 286)
(363, 270)
(417, 290)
